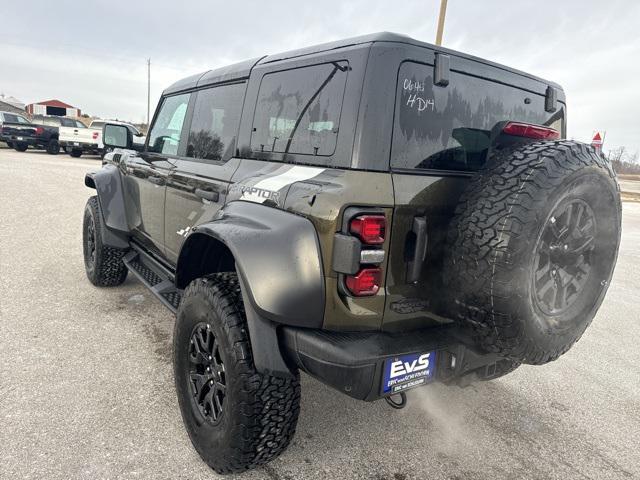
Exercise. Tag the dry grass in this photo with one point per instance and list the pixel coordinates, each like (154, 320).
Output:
(629, 176)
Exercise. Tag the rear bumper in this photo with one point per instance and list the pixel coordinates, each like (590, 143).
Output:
(354, 362)
(84, 146)
(31, 141)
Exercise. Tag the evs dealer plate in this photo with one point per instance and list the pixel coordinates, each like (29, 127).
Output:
(407, 371)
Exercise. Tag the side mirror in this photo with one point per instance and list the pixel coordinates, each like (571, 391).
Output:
(116, 136)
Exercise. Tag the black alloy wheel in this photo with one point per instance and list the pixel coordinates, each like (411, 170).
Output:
(207, 373)
(90, 244)
(563, 258)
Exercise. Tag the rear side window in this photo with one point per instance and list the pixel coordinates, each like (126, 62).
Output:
(449, 128)
(166, 131)
(298, 111)
(11, 118)
(215, 123)
(51, 121)
(67, 122)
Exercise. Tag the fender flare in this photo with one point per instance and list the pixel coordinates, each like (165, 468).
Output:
(108, 186)
(278, 261)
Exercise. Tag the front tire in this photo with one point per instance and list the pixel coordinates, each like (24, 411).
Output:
(236, 417)
(103, 264)
(20, 147)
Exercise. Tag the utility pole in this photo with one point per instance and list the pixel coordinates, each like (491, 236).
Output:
(443, 11)
(148, 90)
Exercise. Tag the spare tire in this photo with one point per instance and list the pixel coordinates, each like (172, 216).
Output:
(532, 248)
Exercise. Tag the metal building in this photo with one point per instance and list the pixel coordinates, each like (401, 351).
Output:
(53, 107)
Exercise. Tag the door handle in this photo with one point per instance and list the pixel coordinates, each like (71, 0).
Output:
(156, 180)
(419, 229)
(210, 195)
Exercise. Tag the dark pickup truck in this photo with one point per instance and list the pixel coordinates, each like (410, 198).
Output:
(22, 134)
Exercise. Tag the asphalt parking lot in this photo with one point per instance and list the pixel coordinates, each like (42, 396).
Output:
(86, 384)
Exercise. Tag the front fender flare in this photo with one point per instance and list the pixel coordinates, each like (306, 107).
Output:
(108, 185)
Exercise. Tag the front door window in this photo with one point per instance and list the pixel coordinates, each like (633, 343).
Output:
(165, 134)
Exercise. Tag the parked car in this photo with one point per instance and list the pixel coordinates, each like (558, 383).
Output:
(378, 212)
(10, 117)
(137, 136)
(38, 133)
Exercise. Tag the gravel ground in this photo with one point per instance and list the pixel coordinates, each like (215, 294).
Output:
(86, 385)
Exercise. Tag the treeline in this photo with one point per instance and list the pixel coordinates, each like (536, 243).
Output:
(623, 161)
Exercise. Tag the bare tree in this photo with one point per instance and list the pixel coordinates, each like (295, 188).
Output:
(623, 161)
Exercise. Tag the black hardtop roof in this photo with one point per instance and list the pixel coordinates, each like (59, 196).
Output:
(242, 70)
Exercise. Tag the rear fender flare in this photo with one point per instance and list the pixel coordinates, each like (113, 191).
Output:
(276, 253)
(277, 259)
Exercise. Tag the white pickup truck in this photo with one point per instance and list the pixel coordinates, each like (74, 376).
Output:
(73, 136)
(138, 136)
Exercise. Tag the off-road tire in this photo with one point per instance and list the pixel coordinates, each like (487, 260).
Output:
(75, 153)
(103, 264)
(495, 248)
(259, 411)
(53, 147)
(20, 147)
(9, 144)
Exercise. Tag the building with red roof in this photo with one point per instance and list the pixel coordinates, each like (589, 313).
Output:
(53, 107)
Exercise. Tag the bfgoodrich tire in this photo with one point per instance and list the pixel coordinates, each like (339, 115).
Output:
(236, 417)
(103, 264)
(533, 245)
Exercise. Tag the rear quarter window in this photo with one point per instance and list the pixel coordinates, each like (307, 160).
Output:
(298, 111)
(449, 128)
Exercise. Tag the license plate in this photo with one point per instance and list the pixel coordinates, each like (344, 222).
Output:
(19, 138)
(407, 371)
(76, 144)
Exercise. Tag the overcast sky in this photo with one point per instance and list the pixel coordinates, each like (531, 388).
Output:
(93, 54)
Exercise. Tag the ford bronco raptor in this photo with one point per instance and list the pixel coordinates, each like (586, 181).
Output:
(378, 212)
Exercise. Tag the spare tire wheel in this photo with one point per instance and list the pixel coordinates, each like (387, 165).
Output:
(532, 248)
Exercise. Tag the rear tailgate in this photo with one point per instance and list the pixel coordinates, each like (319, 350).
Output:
(73, 135)
(17, 131)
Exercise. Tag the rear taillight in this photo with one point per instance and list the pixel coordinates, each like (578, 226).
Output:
(369, 228)
(39, 130)
(537, 132)
(365, 282)
(95, 135)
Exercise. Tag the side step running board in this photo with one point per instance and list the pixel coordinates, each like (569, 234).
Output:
(155, 276)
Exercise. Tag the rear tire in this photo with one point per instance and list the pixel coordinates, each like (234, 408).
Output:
(103, 264)
(9, 144)
(53, 147)
(533, 246)
(236, 417)
(75, 153)
(20, 147)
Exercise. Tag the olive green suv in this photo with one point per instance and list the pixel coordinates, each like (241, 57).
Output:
(378, 212)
